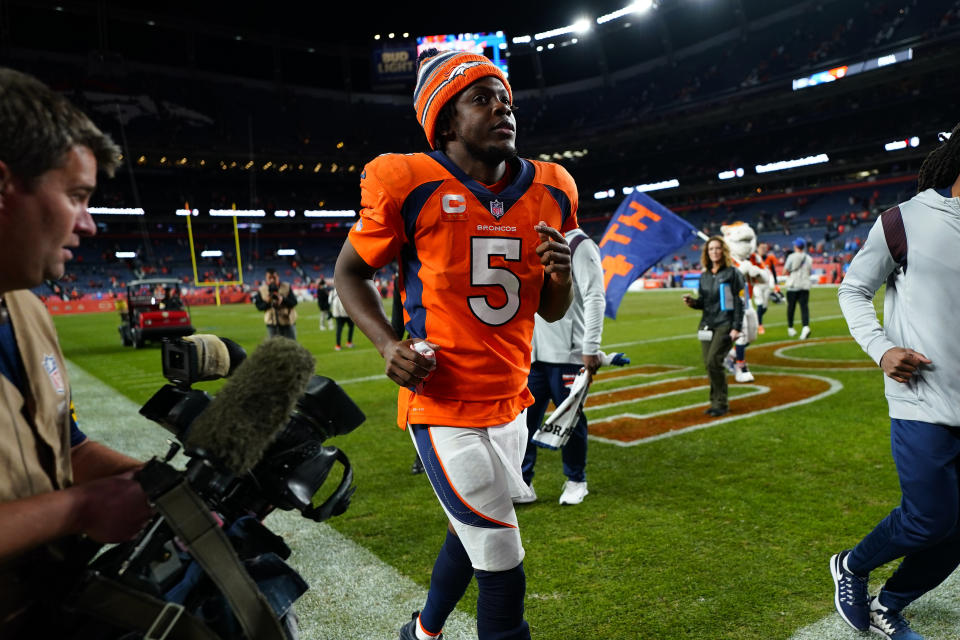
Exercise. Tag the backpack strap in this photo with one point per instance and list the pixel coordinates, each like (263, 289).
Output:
(575, 242)
(896, 235)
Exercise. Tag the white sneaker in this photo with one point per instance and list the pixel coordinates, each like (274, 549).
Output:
(804, 333)
(743, 373)
(573, 492)
(526, 499)
(791, 331)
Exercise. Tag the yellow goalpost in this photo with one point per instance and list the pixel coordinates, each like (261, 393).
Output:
(216, 284)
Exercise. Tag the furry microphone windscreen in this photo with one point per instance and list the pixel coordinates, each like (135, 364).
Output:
(254, 405)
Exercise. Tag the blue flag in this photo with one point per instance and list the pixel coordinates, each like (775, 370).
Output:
(640, 233)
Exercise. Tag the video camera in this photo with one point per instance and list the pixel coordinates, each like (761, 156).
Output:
(238, 471)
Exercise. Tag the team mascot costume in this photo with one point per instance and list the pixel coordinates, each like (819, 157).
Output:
(742, 241)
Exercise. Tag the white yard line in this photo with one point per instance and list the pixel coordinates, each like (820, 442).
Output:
(353, 594)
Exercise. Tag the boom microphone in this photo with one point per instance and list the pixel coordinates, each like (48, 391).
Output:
(253, 406)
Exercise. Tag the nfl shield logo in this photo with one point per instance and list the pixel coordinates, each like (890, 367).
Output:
(496, 208)
(56, 379)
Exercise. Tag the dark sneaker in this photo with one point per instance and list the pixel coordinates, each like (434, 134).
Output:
(409, 630)
(890, 624)
(716, 412)
(417, 466)
(850, 595)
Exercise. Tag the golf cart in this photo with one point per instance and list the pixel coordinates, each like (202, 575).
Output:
(154, 310)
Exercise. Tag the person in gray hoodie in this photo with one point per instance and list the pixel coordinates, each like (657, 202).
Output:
(912, 248)
(560, 349)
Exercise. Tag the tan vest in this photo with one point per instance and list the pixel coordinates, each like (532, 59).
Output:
(34, 458)
(34, 453)
(283, 316)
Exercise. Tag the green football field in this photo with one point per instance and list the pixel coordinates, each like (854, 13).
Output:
(693, 528)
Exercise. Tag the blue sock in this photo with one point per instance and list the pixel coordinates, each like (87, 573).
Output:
(451, 574)
(741, 352)
(500, 605)
(760, 311)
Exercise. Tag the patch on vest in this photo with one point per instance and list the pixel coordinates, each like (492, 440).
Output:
(53, 370)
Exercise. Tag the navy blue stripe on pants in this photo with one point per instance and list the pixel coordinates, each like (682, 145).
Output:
(925, 529)
(546, 383)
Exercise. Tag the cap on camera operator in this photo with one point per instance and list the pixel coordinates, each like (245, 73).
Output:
(277, 300)
(55, 483)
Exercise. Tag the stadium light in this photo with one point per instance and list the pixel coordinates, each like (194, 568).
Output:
(286, 252)
(123, 255)
(634, 7)
(603, 195)
(944, 135)
(184, 212)
(653, 186)
(329, 213)
(522, 40)
(213, 253)
(791, 164)
(284, 213)
(579, 26)
(113, 211)
(896, 145)
(240, 213)
(732, 173)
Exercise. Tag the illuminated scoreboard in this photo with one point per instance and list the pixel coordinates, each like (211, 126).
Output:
(837, 73)
(492, 45)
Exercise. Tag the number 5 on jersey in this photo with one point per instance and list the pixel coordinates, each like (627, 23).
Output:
(482, 274)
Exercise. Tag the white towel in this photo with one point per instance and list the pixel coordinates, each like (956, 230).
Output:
(555, 432)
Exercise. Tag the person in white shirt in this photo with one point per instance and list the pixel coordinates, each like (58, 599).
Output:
(560, 350)
(797, 268)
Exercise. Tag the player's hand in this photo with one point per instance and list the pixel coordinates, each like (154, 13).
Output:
(734, 334)
(688, 300)
(901, 364)
(591, 364)
(554, 253)
(112, 509)
(405, 366)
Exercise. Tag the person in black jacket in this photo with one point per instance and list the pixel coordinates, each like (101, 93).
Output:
(720, 297)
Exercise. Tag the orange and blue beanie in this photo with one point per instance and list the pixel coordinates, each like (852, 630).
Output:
(441, 76)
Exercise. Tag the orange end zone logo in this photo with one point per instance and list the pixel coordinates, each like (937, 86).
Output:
(769, 392)
(784, 354)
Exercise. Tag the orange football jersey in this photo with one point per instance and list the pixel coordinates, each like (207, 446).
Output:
(470, 277)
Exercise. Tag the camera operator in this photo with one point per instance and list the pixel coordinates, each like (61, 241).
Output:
(277, 300)
(55, 483)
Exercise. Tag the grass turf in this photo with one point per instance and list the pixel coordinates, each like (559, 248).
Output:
(717, 533)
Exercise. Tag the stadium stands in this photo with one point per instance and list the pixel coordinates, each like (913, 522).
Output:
(672, 95)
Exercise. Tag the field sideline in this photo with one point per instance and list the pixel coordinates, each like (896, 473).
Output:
(719, 532)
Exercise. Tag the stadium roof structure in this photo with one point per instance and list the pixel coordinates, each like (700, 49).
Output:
(256, 38)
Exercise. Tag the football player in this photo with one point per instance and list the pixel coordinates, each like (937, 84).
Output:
(478, 236)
